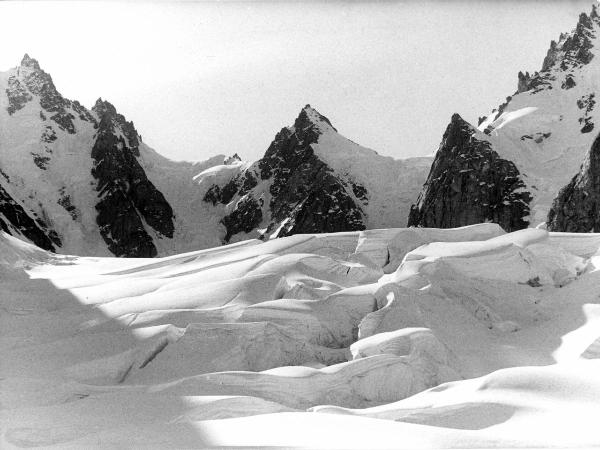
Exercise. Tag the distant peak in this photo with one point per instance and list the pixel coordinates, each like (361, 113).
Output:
(28, 61)
(102, 107)
(232, 159)
(458, 123)
(310, 116)
(456, 118)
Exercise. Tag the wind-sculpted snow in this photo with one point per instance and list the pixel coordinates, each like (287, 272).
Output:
(359, 339)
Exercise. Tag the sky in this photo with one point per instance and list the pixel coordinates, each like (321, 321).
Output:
(200, 78)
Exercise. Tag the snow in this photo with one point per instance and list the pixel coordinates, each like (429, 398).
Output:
(392, 185)
(68, 173)
(464, 337)
(540, 130)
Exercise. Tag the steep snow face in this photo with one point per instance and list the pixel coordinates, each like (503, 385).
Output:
(466, 337)
(549, 124)
(45, 141)
(312, 179)
(82, 181)
(543, 131)
(391, 185)
(87, 183)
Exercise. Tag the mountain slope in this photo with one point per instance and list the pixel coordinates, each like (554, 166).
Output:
(88, 184)
(469, 183)
(544, 129)
(311, 179)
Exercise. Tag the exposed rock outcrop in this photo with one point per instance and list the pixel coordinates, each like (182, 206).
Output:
(126, 194)
(470, 183)
(290, 188)
(13, 215)
(577, 206)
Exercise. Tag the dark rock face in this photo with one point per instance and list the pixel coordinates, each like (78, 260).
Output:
(246, 216)
(13, 214)
(569, 82)
(40, 160)
(577, 206)
(306, 196)
(586, 103)
(523, 84)
(17, 95)
(469, 183)
(126, 194)
(106, 109)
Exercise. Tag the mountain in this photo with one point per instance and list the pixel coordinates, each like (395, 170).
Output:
(313, 180)
(470, 183)
(512, 166)
(82, 181)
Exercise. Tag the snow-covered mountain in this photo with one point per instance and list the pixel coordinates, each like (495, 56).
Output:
(84, 182)
(81, 181)
(511, 167)
(313, 180)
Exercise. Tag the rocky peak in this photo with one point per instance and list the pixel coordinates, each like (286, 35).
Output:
(310, 118)
(109, 119)
(29, 62)
(127, 197)
(457, 130)
(524, 81)
(305, 195)
(573, 49)
(31, 79)
(104, 108)
(233, 159)
(469, 183)
(292, 145)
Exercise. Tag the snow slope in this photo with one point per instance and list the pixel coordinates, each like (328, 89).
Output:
(46, 164)
(312, 179)
(511, 169)
(403, 338)
(392, 184)
(93, 187)
(547, 126)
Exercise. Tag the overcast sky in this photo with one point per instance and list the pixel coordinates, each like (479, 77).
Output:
(199, 79)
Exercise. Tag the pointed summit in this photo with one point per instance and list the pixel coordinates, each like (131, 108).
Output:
(235, 158)
(573, 49)
(309, 117)
(104, 107)
(28, 61)
(470, 183)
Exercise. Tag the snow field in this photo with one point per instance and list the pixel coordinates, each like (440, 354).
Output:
(426, 338)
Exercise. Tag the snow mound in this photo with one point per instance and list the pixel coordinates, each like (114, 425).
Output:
(466, 337)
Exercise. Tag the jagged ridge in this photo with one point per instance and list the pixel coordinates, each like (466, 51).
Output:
(305, 194)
